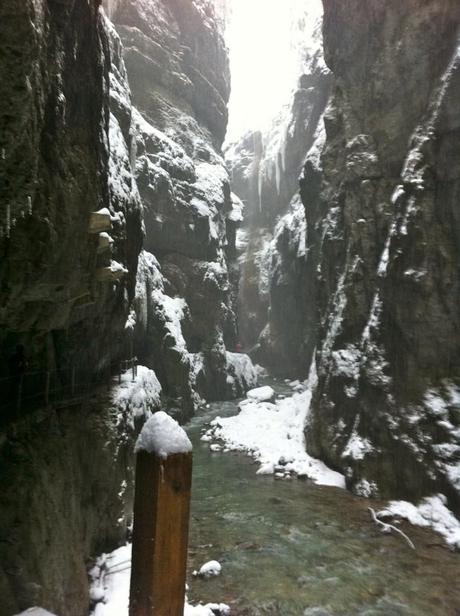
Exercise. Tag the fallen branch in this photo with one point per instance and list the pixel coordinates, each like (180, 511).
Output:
(387, 528)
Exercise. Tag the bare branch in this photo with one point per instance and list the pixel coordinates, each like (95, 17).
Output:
(387, 528)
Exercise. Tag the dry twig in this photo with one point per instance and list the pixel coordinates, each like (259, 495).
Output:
(387, 528)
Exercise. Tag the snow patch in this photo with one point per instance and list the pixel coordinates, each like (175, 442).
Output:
(116, 267)
(431, 513)
(357, 447)
(163, 436)
(121, 182)
(346, 362)
(139, 397)
(110, 583)
(35, 611)
(273, 434)
(209, 569)
(365, 488)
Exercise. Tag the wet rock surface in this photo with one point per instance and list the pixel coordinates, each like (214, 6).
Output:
(125, 247)
(178, 70)
(383, 242)
(66, 488)
(63, 295)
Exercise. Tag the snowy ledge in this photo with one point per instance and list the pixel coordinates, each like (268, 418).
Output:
(163, 436)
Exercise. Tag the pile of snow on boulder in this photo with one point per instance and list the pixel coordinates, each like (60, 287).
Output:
(271, 429)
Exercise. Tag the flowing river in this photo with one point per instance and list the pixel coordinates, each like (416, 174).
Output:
(294, 548)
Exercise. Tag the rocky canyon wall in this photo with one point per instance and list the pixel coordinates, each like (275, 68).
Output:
(383, 245)
(265, 167)
(177, 66)
(71, 236)
(363, 280)
(65, 288)
(118, 230)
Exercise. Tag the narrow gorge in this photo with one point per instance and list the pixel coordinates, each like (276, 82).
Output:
(161, 250)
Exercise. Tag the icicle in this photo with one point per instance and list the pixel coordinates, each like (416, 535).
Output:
(278, 172)
(259, 187)
(133, 151)
(29, 205)
(283, 153)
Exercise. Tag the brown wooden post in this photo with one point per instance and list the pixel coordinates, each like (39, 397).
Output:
(160, 534)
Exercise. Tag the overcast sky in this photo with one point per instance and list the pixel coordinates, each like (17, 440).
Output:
(263, 61)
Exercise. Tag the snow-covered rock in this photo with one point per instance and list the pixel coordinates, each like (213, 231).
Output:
(241, 368)
(139, 397)
(35, 611)
(209, 569)
(273, 434)
(110, 580)
(261, 394)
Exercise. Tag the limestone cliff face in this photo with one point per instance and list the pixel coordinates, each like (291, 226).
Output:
(177, 63)
(65, 290)
(71, 236)
(124, 246)
(383, 242)
(265, 171)
(178, 71)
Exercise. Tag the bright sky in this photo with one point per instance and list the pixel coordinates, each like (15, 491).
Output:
(263, 60)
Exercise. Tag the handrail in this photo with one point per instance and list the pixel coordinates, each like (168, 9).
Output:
(25, 392)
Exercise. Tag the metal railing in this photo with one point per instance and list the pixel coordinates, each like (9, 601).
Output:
(26, 392)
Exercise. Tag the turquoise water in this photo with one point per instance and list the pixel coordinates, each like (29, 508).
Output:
(294, 548)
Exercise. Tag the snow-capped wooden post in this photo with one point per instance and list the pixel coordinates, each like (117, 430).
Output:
(161, 518)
